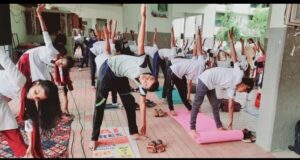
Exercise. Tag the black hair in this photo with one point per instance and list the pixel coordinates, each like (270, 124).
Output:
(49, 111)
(249, 82)
(122, 47)
(61, 49)
(154, 86)
(70, 62)
(259, 64)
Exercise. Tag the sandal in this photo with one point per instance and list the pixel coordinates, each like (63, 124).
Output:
(161, 113)
(151, 147)
(160, 147)
(248, 136)
(155, 113)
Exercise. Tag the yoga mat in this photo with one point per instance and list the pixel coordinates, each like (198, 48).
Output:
(54, 147)
(114, 142)
(176, 97)
(206, 128)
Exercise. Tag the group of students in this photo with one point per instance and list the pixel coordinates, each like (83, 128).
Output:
(115, 60)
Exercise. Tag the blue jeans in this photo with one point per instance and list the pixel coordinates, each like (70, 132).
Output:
(201, 91)
(157, 61)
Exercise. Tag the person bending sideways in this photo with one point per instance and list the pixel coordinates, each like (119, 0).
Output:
(115, 73)
(228, 78)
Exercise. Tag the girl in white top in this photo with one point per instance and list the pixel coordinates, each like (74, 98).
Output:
(11, 81)
(228, 78)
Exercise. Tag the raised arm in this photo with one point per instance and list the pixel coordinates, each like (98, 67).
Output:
(199, 47)
(124, 34)
(231, 43)
(261, 48)
(195, 50)
(141, 36)
(213, 46)
(98, 32)
(220, 45)
(107, 44)
(243, 48)
(39, 10)
(203, 42)
(154, 36)
(115, 29)
(186, 44)
(110, 28)
(173, 43)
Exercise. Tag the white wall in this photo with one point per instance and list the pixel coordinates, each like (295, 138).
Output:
(131, 18)
(94, 11)
(18, 23)
(277, 16)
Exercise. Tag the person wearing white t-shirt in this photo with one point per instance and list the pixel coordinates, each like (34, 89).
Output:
(228, 78)
(180, 72)
(11, 83)
(115, 73)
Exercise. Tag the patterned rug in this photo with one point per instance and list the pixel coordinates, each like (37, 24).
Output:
(55, 146)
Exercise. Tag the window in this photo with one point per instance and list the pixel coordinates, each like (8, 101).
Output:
(292, 16)
(53, 21)
(218, 21)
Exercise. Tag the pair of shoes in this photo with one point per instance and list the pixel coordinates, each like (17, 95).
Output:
(248, 136)
(158, 113)
(156, 146)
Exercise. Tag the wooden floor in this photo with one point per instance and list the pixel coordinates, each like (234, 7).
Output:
(179, 144)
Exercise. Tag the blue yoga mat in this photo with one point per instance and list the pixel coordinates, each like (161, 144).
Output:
(176, 97)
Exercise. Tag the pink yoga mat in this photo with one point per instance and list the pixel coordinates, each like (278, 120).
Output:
(206, 128)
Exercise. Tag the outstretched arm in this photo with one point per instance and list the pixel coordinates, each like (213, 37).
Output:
(243, 48)
(107, 44)
(141, 36)
(195, 50)
(173, 43)
(124, 34)
(220, 45)
(109, 28)
(114, 32)
(232, 48)
(186, 44)
(154, 36)
(261, 48)
(39, 10)
(51, 51)
(199, 47)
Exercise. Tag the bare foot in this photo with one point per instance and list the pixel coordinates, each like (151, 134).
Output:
(135, 136)
(221, 129)
(138, 136)
(193, 133)
(92, 145)
(173, 113)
